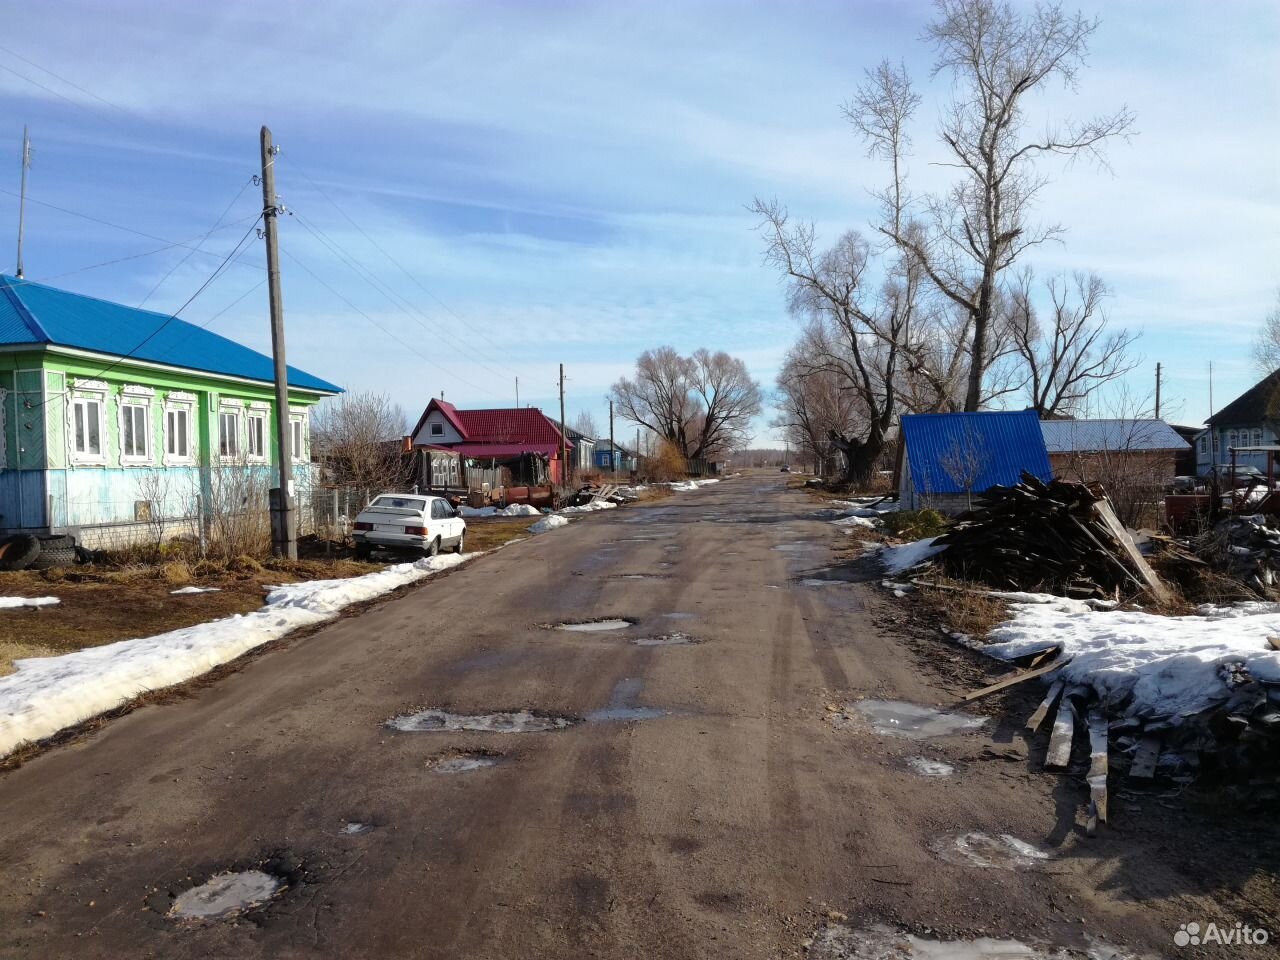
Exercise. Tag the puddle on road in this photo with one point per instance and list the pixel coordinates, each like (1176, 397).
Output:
(880, 942)
(465, 762)
(797, 547)
(680, 616)
(516, 721)
(665, 640)
(898, 718)
(226, 895)
(639, 576)
(622, 705)
(354, 828)
(592, 626)
(929, 768)
(1002, 852)
(818, 582)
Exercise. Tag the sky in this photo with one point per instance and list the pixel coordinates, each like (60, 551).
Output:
(481, 191)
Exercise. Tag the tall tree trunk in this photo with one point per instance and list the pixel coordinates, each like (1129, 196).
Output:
(860, 457)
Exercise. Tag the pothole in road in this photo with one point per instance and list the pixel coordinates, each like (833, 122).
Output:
(514, 721)
(639, 576)
(467, 761)
(226, 895)
(898, 718)
(797, 547)
(355, 828)
(666, 640)
(1002, 852)
(880, 942)
(622, 704)
(929, 768)
(680, 616)
(592, 626)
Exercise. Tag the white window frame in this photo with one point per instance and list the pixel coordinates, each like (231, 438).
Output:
(184, 403)
(136, 396)
(299, 451)
(436, 428)
(258, 411)
(88, 391)
(230, 409)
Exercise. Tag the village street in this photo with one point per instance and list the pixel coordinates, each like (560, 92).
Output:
(704, 806)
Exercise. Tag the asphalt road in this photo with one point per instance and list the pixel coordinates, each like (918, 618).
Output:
(714, 809)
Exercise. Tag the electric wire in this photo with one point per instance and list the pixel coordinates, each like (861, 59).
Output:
(69, 83)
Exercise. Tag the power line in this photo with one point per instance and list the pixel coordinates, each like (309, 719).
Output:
(196, 248)
(171, 317)
(69, 83)
(23, 76)
(115, 226)
(404, 343)
(399, 302)
(377, 246)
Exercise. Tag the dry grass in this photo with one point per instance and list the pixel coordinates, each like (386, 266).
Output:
(654, 493)
(11, 650)
(971, 611)
(486, 533)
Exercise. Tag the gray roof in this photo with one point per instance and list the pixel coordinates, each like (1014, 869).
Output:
(1083, 436)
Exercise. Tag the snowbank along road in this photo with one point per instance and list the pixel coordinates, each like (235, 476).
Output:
(470, 771)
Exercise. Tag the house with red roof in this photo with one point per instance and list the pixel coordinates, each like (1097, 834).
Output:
(521, 440)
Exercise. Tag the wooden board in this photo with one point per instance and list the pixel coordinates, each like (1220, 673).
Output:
(1145, 757)
(1159, 591)
(1064, 730)
(1014, 679)
(1042, 711)
(1097, 777)
(1274, 642)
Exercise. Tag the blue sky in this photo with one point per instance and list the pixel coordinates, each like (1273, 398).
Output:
(567, 182)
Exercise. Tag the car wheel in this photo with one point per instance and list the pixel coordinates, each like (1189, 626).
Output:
(434, 549)
(458, 548)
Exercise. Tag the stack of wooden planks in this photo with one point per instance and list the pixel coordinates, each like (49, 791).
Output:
(1058, 534)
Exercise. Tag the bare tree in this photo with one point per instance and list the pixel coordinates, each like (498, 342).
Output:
(585, 424)
(1266, 348)
(969, 235)
(813, 404)
(703, 404)
(1068, 357)
(358, 439)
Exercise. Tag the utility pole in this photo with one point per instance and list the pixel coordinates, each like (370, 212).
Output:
(1157, 391)
(22, 194)
(517, 393)
(284, 527)
(637, 448)
(564, 455)
(613, 451)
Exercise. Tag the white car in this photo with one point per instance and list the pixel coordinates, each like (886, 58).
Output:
(409, 521)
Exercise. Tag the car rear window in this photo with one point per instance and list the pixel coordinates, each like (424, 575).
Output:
(397, 503)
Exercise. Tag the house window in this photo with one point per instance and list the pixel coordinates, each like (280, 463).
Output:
(87, 426)
(134, 430)
(177, 426)
(1204, 444)
(297, 438)
(1231, 439)
(1256, 437)
(437, 429)
(256, 445)
(228, 433)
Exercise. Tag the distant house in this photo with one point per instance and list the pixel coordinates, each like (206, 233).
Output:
(581, 450)
(1086, 450)
(946, 459)
(519, 445)
(614, 459)
(118, 423)
(1250, 420)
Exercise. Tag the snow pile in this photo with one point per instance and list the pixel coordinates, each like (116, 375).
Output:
(511, 510)
(857, 521)
(182, 591)
(685, 485)
(904, 556)
(9, 603)
(591, 506)
(549, 523)
(45, 695)
(1161, 666)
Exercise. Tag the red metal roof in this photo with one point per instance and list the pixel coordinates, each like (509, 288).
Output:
(506, 451)
(523, 425)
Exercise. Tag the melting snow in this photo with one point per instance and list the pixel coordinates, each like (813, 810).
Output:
(1168, 666)
(185, 590)
(511, 510)
(549, 523)
(976, 849)
(590, 506)
(8, 603)
(904, 556)
(880, 942)
(47, 694)
(686, 485)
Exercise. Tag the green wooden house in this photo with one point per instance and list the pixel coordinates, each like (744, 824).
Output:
(116, 423)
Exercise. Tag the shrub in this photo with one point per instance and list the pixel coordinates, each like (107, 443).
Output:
(915, 524)
(667, 463)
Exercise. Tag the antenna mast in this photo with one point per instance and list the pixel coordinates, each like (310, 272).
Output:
(22, 195)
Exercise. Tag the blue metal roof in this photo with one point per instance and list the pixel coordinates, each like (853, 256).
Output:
(32, 313)
(1091, 436)
(972, 452)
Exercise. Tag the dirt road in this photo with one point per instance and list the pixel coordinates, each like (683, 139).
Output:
(705, 804)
